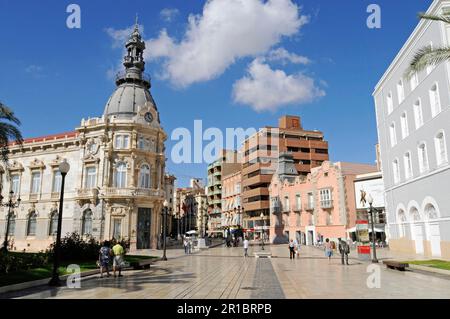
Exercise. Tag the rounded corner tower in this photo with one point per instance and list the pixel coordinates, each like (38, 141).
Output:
(133, 85)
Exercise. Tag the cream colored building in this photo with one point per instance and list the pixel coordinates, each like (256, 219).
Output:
(115, 186)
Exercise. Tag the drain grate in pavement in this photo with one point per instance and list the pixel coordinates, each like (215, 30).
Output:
(249, 288)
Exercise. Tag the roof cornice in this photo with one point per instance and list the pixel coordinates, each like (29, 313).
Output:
(422, 26)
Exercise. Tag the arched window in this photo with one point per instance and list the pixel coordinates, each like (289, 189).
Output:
(430, 212)
(408, 165)
(396, 171)
(435, 100)
(53, 223)
(441, 148)
(414, 81)
(400, 92)
(404, 125)
(390, 103)
(414, 214)
(32, 221)
(121, 175)
(401, 221)
(144, 176)
(393, 135)
(423, 157)
(86, 228)
(418, 114)
(12, 225)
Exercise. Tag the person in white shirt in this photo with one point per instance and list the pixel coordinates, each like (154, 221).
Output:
(246, 243)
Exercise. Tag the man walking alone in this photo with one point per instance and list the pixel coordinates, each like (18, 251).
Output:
(291, 250)
(344, 250)
(246, 247)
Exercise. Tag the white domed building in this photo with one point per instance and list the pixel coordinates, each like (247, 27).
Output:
(115, 186)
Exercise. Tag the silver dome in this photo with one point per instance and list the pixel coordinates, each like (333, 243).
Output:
(127, 99)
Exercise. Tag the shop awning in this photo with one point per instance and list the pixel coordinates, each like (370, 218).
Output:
(377, 230)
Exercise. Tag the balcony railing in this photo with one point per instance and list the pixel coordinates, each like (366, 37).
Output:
(132, 192)
(33, 197)
(326, 204)
(55, 195)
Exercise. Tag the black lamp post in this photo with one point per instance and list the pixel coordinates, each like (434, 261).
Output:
(262, 231)
(11, 205)
(165, 209)
(371, 212)
(64, 168)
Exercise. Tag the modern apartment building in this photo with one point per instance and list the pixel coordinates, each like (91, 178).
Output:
(413, 119)
(260, 156)
(227, 163)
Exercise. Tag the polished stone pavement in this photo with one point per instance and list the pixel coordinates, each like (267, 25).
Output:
(222, 273)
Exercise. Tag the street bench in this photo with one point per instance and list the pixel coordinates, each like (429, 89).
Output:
(263, 255)
(392, 264)
(141, 264)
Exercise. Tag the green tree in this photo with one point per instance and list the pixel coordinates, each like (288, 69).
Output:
(429, 56)
(9, 131)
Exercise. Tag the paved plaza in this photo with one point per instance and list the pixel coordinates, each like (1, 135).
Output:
(222, 273)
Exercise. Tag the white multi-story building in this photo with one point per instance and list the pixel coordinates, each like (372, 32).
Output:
(413, 119)
(115, 187)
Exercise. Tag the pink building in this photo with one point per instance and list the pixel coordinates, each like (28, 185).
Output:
(318, 206)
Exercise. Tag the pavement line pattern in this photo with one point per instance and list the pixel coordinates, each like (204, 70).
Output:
(266, 281)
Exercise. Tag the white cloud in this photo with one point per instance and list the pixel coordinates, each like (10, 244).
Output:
(284, 56)
(265, 89)
(120, 36)
(225, 31)
(168, 14)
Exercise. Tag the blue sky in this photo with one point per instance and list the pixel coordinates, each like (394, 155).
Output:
(53, 76)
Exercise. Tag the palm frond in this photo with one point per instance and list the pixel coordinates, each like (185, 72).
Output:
(435, 17)
(427, 56)
(7, 114)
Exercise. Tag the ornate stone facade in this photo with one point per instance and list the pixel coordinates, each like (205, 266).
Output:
(115, 187)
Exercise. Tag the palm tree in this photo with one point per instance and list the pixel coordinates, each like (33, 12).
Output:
(9, 131)
(428, 56)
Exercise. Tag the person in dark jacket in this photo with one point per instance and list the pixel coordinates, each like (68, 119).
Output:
(344, 250)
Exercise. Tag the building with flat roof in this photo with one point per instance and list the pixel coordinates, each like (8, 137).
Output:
(260, 157)
(413, 116)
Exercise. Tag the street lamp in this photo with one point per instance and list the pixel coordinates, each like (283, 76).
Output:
(262, 231)
(64, 168)
(371, 212)
(166, 208)
(11, 205)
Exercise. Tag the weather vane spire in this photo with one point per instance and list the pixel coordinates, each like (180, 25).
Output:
(137, 19)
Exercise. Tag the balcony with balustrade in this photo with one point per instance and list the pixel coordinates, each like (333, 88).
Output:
(326, 204)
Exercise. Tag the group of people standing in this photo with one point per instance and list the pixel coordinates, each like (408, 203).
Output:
(106, 253)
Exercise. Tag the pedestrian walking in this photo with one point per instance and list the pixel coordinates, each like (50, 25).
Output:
(291, 250)
(185, 245)
(246, 244)
(297, 248)
(118, 261)
(190, 246)
(104, 257)
(344, 250)
(328, 249)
